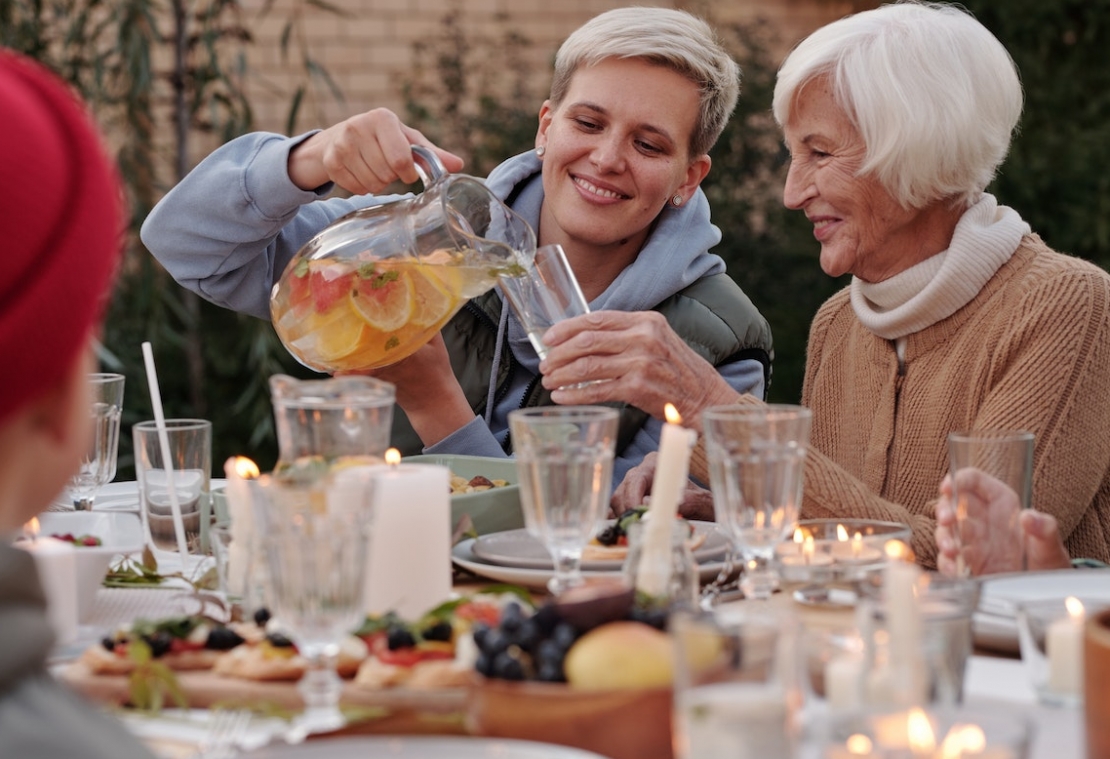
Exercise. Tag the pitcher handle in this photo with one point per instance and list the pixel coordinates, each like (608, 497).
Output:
(428, 165)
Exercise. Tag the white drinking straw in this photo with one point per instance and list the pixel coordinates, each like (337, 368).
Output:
(167, 459)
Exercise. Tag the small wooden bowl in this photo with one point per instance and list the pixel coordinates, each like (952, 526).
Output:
(1096, 677)
(620, 724)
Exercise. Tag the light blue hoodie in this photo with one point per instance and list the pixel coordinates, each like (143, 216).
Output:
(229, 228)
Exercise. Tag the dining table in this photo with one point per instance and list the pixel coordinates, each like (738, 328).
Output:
(995, 679)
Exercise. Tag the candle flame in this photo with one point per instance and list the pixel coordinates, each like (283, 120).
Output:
(246, 468)
(808, 547)
(1075, 608)
(857, 545)
(963, 740)
(31, 529)
(841, 533)
(896, 550)
(858, 745)
(672, 415)
(799, 535)
(393, 457)
(919, 732)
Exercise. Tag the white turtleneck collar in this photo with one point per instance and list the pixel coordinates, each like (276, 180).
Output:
(984, 239)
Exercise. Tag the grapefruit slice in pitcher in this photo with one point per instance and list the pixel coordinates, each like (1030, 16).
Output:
(383, 299)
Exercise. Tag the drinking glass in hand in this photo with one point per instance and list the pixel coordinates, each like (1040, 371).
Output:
(98, 466)
(543, 292)
(316, 544)
(756, 461)
(564, 456)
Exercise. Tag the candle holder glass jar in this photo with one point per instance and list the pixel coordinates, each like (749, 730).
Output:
(835, 562)
(936, 731)
(1051, 640)
(684, 582)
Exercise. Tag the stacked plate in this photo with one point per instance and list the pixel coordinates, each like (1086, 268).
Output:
(514, 556)
(995, 621)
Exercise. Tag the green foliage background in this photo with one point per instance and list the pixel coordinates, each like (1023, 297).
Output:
(471, 93)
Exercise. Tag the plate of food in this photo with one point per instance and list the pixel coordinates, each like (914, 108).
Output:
(518, 548)
(483, 488)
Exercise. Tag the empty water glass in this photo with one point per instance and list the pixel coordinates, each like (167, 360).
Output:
(564, 455)
(756, 462)
(98, 466)
(316, 544)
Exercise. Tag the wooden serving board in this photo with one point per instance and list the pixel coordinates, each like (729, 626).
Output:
(204, 689)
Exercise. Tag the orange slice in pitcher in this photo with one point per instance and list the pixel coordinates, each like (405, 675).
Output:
(338, 338)
(432, 301)
(383, 299)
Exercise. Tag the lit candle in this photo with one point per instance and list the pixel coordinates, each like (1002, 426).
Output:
(809, 553)
(238, 470)
(1064, 648)
(904, 624)
(56, 565)
(409, 566)
(853, 551)
(667, 488)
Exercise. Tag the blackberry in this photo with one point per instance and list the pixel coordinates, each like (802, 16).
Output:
(222, 639)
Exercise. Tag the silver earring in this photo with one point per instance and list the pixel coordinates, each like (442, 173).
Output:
(540, 151)
(676, 200)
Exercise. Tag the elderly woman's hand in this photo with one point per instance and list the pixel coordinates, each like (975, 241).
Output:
(997, 534)
(364, 154)
(635, 489)
(641, 360)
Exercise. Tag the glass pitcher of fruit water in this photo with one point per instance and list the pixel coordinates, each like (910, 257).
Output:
(378, 283)
(327, 423)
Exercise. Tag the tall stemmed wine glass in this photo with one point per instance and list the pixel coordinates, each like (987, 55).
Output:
(564, 456)
(98, 466)
(756, 463)
(316, 547)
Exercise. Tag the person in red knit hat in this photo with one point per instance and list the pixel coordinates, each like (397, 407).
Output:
(61, 206)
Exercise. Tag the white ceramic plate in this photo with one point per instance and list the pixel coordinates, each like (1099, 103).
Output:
(124, 496)
(994, 623)
(411, 747)
(463, 556)
(517, 548)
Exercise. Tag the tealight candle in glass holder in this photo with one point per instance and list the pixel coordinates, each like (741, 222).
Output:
(919, 733)
(834, 562)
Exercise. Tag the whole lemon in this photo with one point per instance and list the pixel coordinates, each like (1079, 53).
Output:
(621, 654)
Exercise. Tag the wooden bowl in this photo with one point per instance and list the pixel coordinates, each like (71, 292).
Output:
(1096, 677)
(620, 724)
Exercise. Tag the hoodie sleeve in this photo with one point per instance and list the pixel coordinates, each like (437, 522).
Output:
(229, 228)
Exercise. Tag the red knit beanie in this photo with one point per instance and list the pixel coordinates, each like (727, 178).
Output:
(61, 229)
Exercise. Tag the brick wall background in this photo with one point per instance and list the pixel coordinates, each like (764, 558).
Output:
(368, 49)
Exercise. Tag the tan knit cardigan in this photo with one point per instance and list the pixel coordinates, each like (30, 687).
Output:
(1031, 352)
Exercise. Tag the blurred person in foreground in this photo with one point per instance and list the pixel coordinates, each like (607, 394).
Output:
(63, 225)
(958, 316)
(638, 98)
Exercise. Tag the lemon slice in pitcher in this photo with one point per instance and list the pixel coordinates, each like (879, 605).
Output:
(337, 338)
(383, 299)
(432, 300)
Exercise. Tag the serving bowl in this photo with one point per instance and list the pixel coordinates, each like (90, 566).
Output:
(120, 532)
(493, 510)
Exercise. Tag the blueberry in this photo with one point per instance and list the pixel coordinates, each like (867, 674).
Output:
(108, 643)
(528, 635)
(548, 651)
(496, 642)
(277, 640)
(481, 633)
(564, 635)
(222, 639)
(439, 631)
(159, 643)
(400, 637)
(508, 666)
(550, 672)
(261, 616)
(546, 617)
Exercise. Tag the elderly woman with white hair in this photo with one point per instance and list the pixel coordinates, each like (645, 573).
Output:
(957, 317)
